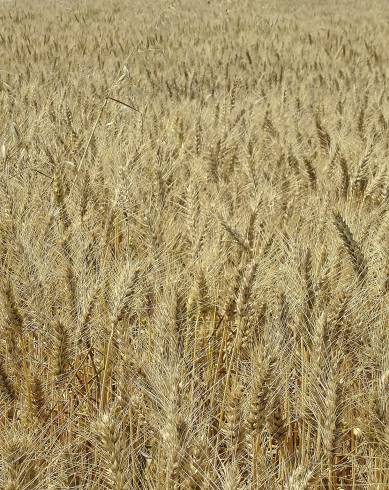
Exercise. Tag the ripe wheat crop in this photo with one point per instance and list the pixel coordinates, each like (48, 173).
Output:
(194, 232)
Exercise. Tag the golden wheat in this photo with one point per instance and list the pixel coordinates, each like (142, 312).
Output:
(193, 245)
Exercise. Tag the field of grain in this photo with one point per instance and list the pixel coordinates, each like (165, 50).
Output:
(194, 237)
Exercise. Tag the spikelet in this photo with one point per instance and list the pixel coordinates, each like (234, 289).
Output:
(20, 462)
(203, 293)
(85, 196)
(257, 410)
(361, 178)
(275, 421)
(192, 210)
(15, 317)
(333, 161)
(3, 152)
(308, 275)
(250, 233)
(229, 308)
(381, 406)
(6, 385)
(340, 332)
(124, 303)
(84, 330)
(345, 182)
(15, 324)
(332, 413)
(59, 200)
(243, 300)
(268, 125)
(192, 303)
(231, 477)
(112, 457)
(235, 235)
(320, 349)
(213, 160)
(300, 478)
(71, 287)
(196, 472)
(311, 172)
(361, 120)
(322, 134)
(38, 397)
(198, 137)
(352, 246)
(61, 355)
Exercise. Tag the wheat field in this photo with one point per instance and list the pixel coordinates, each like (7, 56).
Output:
(194, 237)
